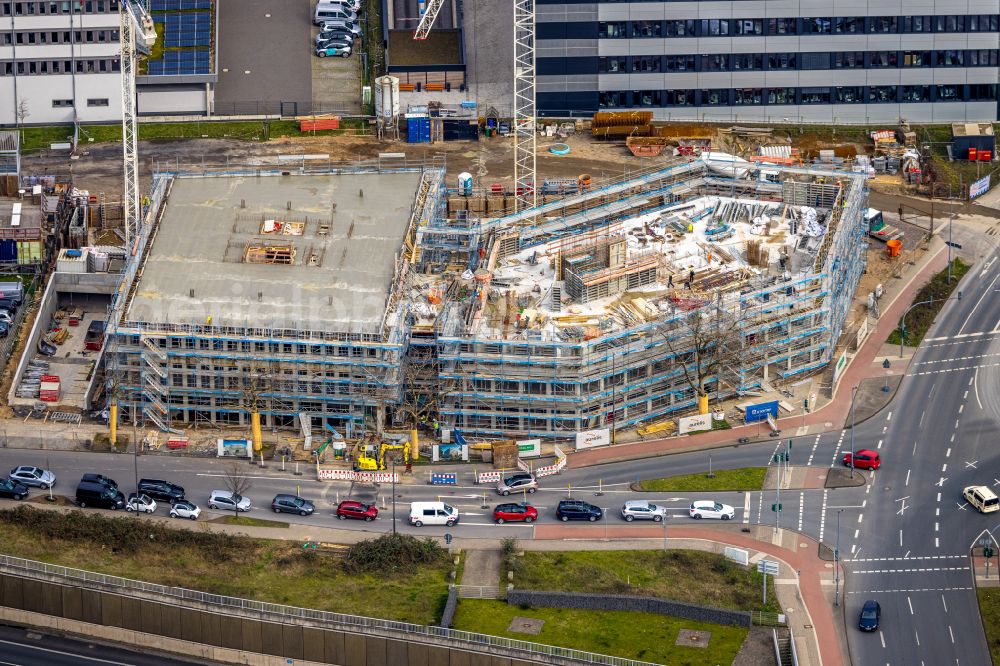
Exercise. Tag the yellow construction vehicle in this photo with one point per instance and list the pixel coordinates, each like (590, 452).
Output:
(376, 462)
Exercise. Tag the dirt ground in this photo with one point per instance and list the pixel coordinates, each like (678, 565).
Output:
(758, 648)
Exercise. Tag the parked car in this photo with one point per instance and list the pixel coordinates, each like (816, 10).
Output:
(141, 503)
(517, 482)
(6, 317)
(577, 510)
(99, 496)
(338, 51)
(711, 509)
(863, 459)
(349, 26)
(334, 43)
(9, 304)
(524, 513)
(982, 498)
(99, 479)
(14, 490)
(33, 476)
(348, 5)
(284, 503)
(871, 613)
(185, 509)
(326, 13)
(643, 510)
(357, 510)
(4, 330)
(226, 500)
(432, 513)
(161, 490)
(337, 33)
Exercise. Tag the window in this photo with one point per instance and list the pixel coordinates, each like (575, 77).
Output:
(882, 59)
(816, 26)
(748, 61)
(612, 30)
(680, 63)
(678, 98)
(748, 96)
(884, 24)
(611, 64)
(715, 97)
(781, 95)
(683, 28)
(611, 99)
(916, 58)
(646, 64)
(781, 26)
(748, 26)
(647, 29)
(849, 60)
(949, 58)
(815, 60)
(716, 62)
(950, 92)
(815, 96)
(848, 25)
(917, 24)
(982, 58)
(849, 94)
(983, 22)
(949, 23)
(982, 92)
(61, 103)
(916, 94)
(781, 61)
(99, 101)
(645, 98)
(715, 27)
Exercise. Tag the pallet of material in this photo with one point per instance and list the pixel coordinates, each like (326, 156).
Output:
(657, 428)
(313, 123)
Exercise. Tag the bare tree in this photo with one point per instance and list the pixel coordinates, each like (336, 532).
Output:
(22, 111)
(238, 483)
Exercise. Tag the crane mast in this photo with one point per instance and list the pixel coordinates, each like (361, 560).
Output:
(136, 35)
(524, 105)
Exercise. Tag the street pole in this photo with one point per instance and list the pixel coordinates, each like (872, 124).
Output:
(854, 394)
(950, 221)
(836, 564)
(393, 495)
(664, 532)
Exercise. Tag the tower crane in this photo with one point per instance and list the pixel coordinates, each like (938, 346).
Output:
(525, 135)
(430, 9)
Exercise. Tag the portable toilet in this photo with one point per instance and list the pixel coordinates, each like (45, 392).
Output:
(465, 184)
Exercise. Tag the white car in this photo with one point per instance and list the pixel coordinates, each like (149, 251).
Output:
(141, 503)
(33, 476)
(185, 509)
(227, 501)
(711, 509)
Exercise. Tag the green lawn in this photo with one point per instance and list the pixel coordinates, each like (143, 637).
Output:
(989, 608)
(247, 521)
(919, 319)
(642, 636)
(689, 576)
(268, 570)
(746, 478)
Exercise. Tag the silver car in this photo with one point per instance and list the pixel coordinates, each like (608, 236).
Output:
(515, 483)
(33, 476)
(643, 510)
(226, 500)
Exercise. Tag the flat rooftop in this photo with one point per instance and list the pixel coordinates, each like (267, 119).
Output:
(297, 252)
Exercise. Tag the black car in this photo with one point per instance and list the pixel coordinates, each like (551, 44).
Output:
(292, 504)
(12, 489)
(100, 480)
(344, 34)
(99, 496)
(161, 490)
(871, 612)
(577, 510)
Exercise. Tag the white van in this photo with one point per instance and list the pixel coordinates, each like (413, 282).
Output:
(432, 513)
(982, 498)
(333, 13)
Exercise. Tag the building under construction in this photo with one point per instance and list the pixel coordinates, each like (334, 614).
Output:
(367, 297)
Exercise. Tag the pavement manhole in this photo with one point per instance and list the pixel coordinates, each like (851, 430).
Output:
(525, 625)
(692, 638)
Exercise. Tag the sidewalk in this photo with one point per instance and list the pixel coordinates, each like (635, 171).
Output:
(865, 364)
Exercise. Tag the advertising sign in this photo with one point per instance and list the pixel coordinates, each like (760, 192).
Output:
(529, 448)
(590, 438)
(761, 411)
(694, 423)
(841, 364)
(862, 332)
(981, 186)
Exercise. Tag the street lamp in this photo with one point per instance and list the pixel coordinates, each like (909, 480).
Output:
(393, 495)
(902, 320)
(664, 531)
(836, 564)
(854, 394)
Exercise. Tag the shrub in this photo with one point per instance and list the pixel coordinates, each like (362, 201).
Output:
(392, 553)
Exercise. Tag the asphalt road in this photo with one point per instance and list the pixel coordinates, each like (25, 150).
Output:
(30, 648)
(909, 549)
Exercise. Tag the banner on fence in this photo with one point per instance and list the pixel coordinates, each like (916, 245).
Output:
(376, 477)
(761, 411)
(694, 423)
(335, 474)
(450, 452)
(591, 438)
(841, 365)
(444, 479)
(862, 333)
(529, 448)
(235, 448)
(981, 186)
(350, 475)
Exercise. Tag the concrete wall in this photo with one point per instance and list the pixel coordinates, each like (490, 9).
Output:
(628, 603)
(168, 627)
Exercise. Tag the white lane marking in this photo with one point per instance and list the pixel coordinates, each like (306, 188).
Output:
(879, 444)
(975, 385)
(937, 543)
(973, 311)
(944, 603)
(911, 590)
(882, 636)
(971, 464)
(900, 538)
(860, 516)
(951, 633)
(944, 370)
(888, 417)
(907, 557)
(856, 533)
(100, 660)
(947, 454)
(944, 467)
(802, 501)
(907, 478)
(986, 268)
(910, 604)
(916, 635)
(913, 570)
(822, 515)
(746, 509)
(961, 408)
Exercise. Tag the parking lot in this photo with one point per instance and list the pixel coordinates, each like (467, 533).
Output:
(336, 82)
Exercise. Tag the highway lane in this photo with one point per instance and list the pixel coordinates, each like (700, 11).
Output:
(913, 544)
(19, 647)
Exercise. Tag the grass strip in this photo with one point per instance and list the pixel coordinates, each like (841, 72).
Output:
(919, 319)
(746, 478)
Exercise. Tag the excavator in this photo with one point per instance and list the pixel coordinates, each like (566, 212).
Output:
(375, 461)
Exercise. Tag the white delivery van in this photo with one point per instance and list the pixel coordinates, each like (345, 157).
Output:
(432, 513)
(333, 13)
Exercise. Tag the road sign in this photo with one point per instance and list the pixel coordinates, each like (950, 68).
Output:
(767, 567)
(986, 541)
(957, 246)
(981, 186)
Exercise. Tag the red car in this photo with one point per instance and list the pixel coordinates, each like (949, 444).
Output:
(863, 459)
(358, 510)
(524, 513)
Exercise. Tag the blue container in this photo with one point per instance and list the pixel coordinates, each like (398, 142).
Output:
(418, 130)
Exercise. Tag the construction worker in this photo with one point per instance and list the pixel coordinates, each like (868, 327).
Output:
(670, 281)
(691, 276)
